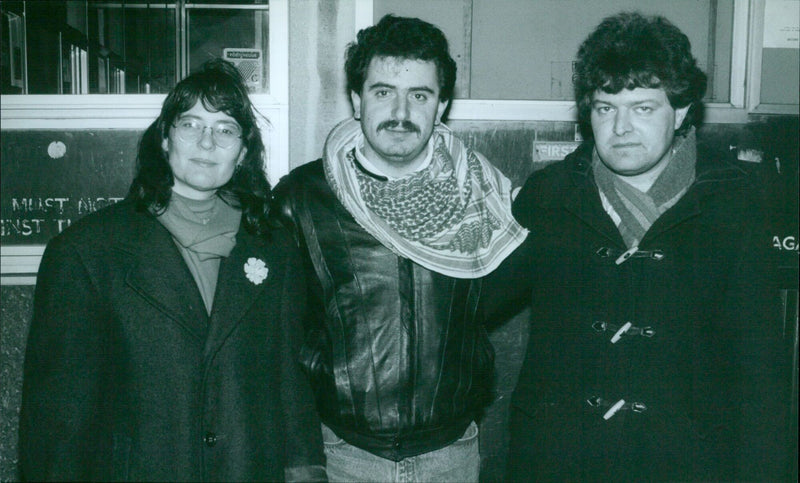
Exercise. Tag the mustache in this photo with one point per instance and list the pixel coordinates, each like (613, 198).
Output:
(393, 123)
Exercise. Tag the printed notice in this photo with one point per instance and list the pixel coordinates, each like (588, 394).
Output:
(546, 151)
(782, 24)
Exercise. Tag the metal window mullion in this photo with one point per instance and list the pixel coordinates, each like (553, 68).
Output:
(739, 54)
(60, 64)
(123, 22)
(25, 47)
(180, 41)
(72, 70)
(226, 6)
(84, 70)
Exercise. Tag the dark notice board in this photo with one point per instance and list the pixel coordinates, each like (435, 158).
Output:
(49, 179)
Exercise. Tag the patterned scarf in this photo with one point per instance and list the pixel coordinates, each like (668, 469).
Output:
(633, 211)
(452, 217)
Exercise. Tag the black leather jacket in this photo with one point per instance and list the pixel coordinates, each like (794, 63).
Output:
(398, 356)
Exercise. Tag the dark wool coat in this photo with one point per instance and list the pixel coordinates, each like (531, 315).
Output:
(128, 378)
(699, 368)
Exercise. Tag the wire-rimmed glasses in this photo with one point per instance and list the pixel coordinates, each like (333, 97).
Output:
(224, 134)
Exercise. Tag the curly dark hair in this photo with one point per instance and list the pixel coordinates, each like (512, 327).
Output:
(219, 86)
(629, 50)
(405, 38)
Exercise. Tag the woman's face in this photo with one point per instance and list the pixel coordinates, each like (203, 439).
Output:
(200, 166)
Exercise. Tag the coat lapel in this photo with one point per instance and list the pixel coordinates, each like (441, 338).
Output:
(235, 292)
(708, 183)
(159, 274)
(584, 202)
(686, 208)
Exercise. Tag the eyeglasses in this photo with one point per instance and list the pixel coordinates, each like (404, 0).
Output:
(224, 134)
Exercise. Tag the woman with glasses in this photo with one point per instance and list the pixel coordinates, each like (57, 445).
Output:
(165, 327)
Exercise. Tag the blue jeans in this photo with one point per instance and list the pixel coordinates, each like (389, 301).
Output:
(458, 462)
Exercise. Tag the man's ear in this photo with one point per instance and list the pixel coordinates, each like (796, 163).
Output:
(165, 145)
(242, 154)
(680, 115)
(355, 98)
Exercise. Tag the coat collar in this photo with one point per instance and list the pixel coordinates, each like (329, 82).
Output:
(235, 292)
(160, 275)
(584, 200)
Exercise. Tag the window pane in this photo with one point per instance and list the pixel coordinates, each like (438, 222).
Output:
(514, 49)
(535, 43)
(135, 45)
(12, 45)
(125, 46)
(780, 56)
(239, 35)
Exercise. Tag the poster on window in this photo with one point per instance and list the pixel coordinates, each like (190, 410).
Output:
(782, 24)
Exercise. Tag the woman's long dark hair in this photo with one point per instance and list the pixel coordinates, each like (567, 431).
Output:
(219, 86)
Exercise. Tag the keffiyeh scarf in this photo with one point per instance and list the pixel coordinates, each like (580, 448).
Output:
(452, 217)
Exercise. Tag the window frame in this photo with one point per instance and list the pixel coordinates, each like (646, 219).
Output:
(745, 82)
(137, 111)
(755, 52)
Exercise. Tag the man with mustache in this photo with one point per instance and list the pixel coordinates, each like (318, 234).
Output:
(399, 221)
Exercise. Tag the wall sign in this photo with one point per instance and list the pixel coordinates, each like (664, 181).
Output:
(50, 179)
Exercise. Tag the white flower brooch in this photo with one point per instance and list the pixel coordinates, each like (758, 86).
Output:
(256, 270)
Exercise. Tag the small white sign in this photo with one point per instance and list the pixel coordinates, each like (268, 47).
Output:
(782, 24)
(249, 63)
(552, 150)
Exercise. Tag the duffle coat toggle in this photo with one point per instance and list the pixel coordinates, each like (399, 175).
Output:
(625, 330)
(633, 252)
(614, 407)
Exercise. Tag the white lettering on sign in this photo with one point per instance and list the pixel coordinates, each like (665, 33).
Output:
(243, 54)
(21, 226)
(88, 205)
(38, 204)
(552, 150)
(44, 215)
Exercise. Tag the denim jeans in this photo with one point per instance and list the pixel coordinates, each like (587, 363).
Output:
(458, 462)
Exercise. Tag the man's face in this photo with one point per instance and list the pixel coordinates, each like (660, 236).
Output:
(398, 107)
(634, 129)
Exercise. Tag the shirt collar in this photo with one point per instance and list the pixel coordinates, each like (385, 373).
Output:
(369, 166)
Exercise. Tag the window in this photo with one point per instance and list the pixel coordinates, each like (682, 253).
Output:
(515, 57)
(119, 59)
(128, 47)
(536, 42)
(120, 51)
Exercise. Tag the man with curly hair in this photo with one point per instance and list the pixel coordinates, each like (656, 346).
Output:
(399, 221)
(654, 343)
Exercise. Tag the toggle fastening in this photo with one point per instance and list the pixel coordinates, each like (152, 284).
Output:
(621, 405)
(633, 252)
(627, 329)
(618, 334)
(613, 409)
